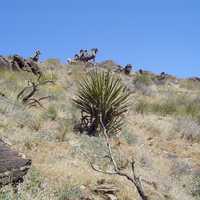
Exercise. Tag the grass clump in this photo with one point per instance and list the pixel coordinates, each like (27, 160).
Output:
(129, 136)
(187, 129)
(6, 194)
(141, 107)
(71, 193)
(34, 182)
(101, 96)
(176, 105)
(30, 189)
(196, 187)
(65, 127)
(51, 112)
(143, 79)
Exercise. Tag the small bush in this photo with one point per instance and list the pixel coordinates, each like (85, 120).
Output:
(34, 181)
(166, 108)
(143, 79)
(177, 105)
(30, 189)
(141, 107)
(71, 193)
(187, 129)
(143, 83)
(49, 76)
(196, 187)
(51, 112)
(6, 193)
(27, 119)
(35, 124)
(94, 147)
(129, 136)
(190, 84)
(65, 126)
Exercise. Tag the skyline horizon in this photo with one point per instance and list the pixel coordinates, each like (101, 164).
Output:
(153, 35)
(135, 68)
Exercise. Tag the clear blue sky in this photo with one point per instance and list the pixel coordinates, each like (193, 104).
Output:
(156, 35)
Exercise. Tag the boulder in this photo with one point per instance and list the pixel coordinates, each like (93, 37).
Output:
(13, 167)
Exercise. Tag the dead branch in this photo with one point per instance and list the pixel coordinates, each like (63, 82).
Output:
(34, 102)
(47, 81)
(28, 99)
(34, 89)
(116, 169)
(24, 89)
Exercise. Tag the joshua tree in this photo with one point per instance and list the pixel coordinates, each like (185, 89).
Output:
(101, 94)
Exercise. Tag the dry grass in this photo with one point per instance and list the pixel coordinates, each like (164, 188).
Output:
(175, 105)
(162, 131)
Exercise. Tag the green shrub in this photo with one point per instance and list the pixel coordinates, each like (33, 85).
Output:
(102, 95)
(143, 79)
(6, 194)
(30, 189)
(129, 137)
(196, 187)
(175, 105)
(49, 76)
(64, 128)
(187, 129)
(34, 181)
(166, 108)
(51, 112)
(141, 107)
(71, 193)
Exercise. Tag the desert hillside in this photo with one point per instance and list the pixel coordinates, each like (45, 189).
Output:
(161, 133)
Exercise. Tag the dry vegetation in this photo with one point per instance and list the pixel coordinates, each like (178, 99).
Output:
(161, 133)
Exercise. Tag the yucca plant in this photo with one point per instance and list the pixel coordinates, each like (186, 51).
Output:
(102, 98)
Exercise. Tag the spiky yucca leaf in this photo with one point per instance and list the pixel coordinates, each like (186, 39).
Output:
(102, 94)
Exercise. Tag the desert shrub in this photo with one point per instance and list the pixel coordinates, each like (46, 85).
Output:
(65, 126)
(190, 84)
(196, 187)
(34, 181)
(193, 107)
(49, 76)
(166, 108)
(177, 105)
(71, 193)
(143, 79)
(90, 145)
(35, 124)
(129, 136)
(187, 129)
(96, 149)
(24, 118)
(102, 96)
(180, 167)
(51, 112)
(30, 189)
(53, 61)
(141, 106)
(144, 84)
(6, 193)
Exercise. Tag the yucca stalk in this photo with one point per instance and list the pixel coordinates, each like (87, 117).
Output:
(102, 94)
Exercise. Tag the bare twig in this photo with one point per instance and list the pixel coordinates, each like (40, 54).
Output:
(96, 168)
(47, 81)
(108, 145)
(116, 170)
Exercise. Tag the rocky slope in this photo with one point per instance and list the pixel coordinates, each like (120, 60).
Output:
(161, 133)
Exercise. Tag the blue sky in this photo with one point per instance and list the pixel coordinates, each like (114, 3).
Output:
(156, 35)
